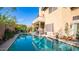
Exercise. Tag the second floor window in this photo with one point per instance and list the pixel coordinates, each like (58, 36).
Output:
(76, 17)
(49, 27)
(51, 9)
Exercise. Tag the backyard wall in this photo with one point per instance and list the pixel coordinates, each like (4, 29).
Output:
(2, 30)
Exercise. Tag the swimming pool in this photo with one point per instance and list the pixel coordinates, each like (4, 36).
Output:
(24, 43)
(47, 44)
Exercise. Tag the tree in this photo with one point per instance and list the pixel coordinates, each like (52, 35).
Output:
(6, 18)
(21, 27)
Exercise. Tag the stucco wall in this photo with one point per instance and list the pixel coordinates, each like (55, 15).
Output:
(75, 12)
(2, 29)
(67, 18)
(59, 17)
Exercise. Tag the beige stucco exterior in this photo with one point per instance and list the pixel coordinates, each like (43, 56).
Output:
(75, 13)
(75, 22)
(59, 18)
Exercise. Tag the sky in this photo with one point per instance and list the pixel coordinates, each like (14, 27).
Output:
(25, 15)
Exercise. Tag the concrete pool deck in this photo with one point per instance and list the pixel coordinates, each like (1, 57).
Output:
(8, 43)
(73, 43)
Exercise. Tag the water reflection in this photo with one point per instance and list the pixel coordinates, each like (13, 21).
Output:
(47, 44)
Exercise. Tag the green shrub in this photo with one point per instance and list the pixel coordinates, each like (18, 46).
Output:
(8, 34)
(77, 35)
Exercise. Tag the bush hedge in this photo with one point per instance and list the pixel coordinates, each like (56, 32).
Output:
(8, 34)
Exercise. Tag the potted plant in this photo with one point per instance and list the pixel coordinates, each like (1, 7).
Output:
(77, 36)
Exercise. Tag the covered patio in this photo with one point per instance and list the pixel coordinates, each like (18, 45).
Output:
(39, 24)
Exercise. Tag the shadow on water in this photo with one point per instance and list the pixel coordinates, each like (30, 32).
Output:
(46, 44)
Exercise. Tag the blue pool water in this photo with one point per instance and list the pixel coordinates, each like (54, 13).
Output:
(47, 44)
(22, 43)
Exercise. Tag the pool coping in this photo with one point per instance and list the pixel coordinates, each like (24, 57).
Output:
(8, 43)
(72, 43)
(35, 46)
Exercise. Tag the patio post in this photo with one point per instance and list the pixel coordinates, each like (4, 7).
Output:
(39, 28)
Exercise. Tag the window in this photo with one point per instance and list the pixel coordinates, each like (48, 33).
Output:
(70, 25)
(78, 27)
(49, 28)
(76, 17)
(52, 9)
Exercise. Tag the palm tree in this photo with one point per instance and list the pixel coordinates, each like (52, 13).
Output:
(6, 17)
(6, 14)
(6, 20)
